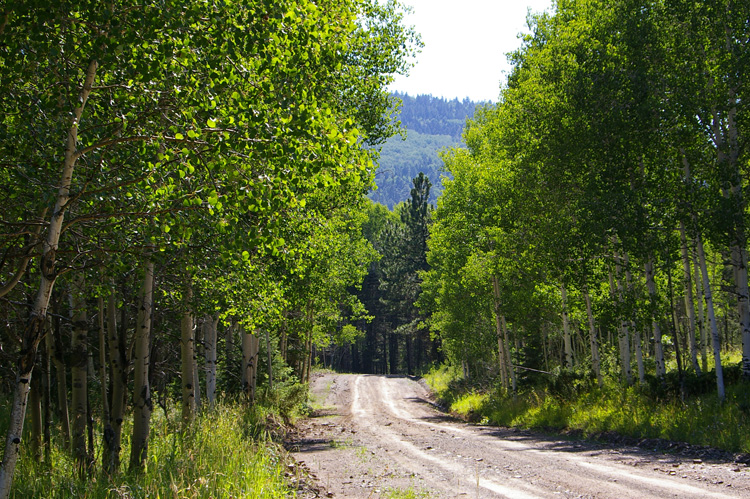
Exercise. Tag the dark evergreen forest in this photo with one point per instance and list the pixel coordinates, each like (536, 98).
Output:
(431, 124)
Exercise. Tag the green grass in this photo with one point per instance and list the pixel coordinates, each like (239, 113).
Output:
(220, 457)
(638, 411)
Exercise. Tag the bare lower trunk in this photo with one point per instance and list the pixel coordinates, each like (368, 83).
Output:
(506, 341)
(711, 319)
(210, 325)
(187, 355)
(658, 346)
(689, 301)
(103, 381)
(250, 348)
(142, 404)
(79, 377)
(566, 329)
(118, 372)
(269, 355)
(623, 333)
(699, 305)
(501, 356)
(594, 341)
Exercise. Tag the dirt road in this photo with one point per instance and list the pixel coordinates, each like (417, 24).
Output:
(378, 436)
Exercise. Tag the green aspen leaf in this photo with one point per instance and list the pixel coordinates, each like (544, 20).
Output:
(179, 136)
(211, 123)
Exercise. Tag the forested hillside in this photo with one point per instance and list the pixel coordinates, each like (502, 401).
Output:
(431, 124)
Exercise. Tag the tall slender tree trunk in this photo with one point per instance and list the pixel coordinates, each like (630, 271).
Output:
(689, 301)
(55, 344)
(142, 403)
(35, 326)
(187, 356)
(699, 305)
(118, 363)
(658, 345)
(250, 348)
(79, 376)
(269, 356)
(35, 401)
(593, 340)
(711, 318)
(566, 328)
(511, 367)
(210, 325)
(106, 418)
(501, 356)
(623, 336)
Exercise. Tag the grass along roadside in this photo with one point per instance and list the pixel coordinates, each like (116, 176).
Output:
(636, 411)
(226, 454)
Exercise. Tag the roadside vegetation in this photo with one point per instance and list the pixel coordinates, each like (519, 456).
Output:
(573, 402)
(230, 452)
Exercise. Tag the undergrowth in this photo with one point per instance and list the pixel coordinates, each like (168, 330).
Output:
(228, 452)
(571, 402)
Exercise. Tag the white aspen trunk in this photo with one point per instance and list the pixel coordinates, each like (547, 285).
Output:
(118, 370)
(658, 346)
(142, 403)
(501, 356)
(637, 334)
(511, 368)
(711, 318)
(35, 325)
(210, 326)
(623, 336)
(187, 357)
(566, 329)
(270, 363)
(689, 301)
(198, 337)
(79, 375)
(594, 341)
(103, 380)
(699, 305)
(250, 348)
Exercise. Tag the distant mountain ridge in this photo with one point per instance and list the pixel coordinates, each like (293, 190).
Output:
(431, 123)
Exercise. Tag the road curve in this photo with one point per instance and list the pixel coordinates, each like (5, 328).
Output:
(378, 434)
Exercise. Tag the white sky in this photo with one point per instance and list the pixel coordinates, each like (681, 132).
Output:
(465, 45)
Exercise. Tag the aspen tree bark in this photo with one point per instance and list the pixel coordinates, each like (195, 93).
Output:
(118, 371)
(566, 328)
(210, 326)
(506, 340)
(501, 357)
(35, 325)
(229, 342)
(250, 348)
(54, 344)
(711, 319)
(187, 356)
(198, 341)
(595, 360)
(658, 346)
(699, 306)
(623, 333)
(142, 403)
(79, 376)
(637, 334)
(35, 401)
(106, 419)
(270, 364)
(689, 302)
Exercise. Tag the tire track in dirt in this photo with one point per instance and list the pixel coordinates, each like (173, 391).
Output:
(409, 444)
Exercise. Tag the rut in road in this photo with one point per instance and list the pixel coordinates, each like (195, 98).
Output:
(407, 436)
